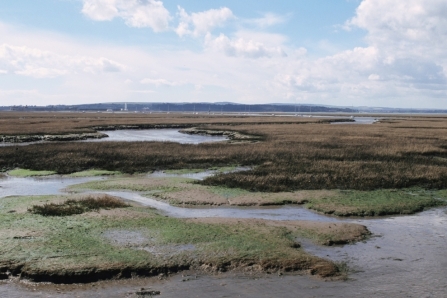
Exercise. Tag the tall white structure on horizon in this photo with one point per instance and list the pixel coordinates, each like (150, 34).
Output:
(125, 106)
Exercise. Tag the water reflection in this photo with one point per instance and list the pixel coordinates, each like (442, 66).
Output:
(12, 186)
(359, 120)
(272, 213)
(158, 135)
(196, 176)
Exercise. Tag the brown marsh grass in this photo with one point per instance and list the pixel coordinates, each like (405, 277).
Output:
(397, 153)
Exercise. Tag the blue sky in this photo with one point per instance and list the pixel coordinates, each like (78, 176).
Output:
(336, 52)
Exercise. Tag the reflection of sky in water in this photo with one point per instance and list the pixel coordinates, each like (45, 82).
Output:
(12, 186)
(196, 176)
(274, 213)
(159, 135)
(135, 135)
(359, 120)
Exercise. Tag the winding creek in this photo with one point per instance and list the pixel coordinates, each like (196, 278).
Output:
(406, 257)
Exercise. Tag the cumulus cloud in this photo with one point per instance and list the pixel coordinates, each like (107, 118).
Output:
(201, 23)
(136, 13)
(240, 47)
(417, 27)
(405, 54)
(38, 63)
(411, 37)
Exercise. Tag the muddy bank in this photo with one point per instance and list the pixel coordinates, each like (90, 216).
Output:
(234, 136)
(139, 126)
(52, 138)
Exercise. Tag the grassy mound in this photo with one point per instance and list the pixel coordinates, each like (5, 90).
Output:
(377, 203)
(30, 173)
(136, 241)
(72, 207)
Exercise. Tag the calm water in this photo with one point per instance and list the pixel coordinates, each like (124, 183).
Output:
(159, 135)
(135, 135)
(12, 186)
(359, 120)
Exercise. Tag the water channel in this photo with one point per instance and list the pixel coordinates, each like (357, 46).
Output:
(156, 135)
(141, 135)
(405, 257)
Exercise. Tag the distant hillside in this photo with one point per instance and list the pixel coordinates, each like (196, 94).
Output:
(185, 107)
(222, 107)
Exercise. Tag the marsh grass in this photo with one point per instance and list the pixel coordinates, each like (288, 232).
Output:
(294, 155)
(72, 206)
(376, 203)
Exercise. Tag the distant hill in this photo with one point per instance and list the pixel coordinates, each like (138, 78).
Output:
(185, 107)
(221, 107)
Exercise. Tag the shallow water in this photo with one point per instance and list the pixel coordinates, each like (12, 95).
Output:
(159, 135)
(196, 176)
(13, 186)
(272, 213)
(359, 120)
(140, 135)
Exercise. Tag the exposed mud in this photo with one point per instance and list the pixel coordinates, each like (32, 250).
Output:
(234, 136)
(51, 138)
(137, 240)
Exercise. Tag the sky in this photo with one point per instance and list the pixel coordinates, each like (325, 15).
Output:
(387, 53)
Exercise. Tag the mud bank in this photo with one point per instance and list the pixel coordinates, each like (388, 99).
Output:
(233, 136)
(52, 138)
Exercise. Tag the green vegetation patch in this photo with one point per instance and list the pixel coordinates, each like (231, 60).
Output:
(227, 192)
(142, 184)
(30, 173)
(70, 248)
(94, 173)
(377, 202)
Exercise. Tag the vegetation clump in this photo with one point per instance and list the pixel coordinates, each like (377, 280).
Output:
(29, 173)
(375, 203)
(73, 207)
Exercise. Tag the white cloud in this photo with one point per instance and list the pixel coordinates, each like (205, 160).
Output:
(402, 27)
(39, 63)
(374, 77)
(136, 13)
(410, 37)
(268, 20)
(159, 82)
(201, 23)
(100, 10)
(239, 47)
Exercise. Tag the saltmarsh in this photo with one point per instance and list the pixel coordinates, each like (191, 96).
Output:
(79, 248)
(180, 191)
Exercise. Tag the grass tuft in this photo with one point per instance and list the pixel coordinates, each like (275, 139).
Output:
(73, 207)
